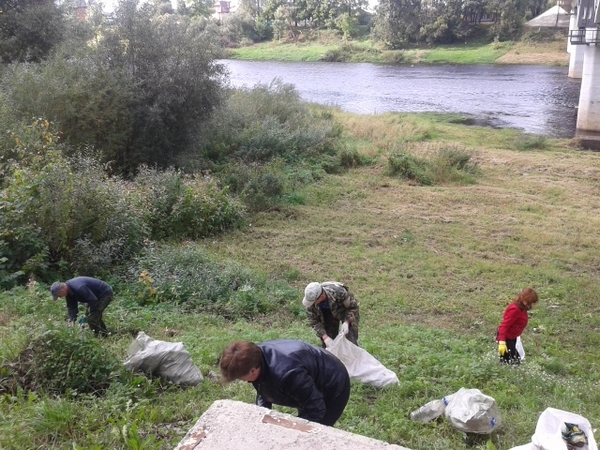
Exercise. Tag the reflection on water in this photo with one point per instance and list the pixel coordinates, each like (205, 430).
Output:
(536, 99)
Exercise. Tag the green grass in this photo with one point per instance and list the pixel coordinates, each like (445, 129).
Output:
(433, 268)
(466, 54)
(368, 52)
(281, 52)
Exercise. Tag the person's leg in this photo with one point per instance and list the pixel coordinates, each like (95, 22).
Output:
(95, 320)
(336, 402)
(352, 335)
(513, 354)
(331, 325)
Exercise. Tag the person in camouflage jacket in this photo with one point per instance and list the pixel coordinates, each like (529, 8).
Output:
(327, 304)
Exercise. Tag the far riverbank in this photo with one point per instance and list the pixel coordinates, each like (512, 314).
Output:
(550, 53)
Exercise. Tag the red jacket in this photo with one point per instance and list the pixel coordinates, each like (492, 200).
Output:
(513, 323)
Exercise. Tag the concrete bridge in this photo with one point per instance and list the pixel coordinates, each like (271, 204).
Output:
(584, 62)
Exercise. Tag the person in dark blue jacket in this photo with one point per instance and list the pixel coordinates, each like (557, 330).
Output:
(290, 373)
(95, 293)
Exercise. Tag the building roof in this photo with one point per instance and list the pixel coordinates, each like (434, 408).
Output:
(554, 17)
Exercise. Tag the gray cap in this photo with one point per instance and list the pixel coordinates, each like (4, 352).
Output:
(55, 289)
(311, 294)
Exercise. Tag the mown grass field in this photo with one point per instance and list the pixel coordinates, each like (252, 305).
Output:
(433, 268)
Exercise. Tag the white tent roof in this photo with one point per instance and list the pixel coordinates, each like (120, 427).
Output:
(554, 17)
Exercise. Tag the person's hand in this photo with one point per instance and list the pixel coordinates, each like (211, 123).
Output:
(345, 327)
(502, 348)
(328, 341)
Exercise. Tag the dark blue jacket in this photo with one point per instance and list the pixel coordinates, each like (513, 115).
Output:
(85, 290)
(300, 375)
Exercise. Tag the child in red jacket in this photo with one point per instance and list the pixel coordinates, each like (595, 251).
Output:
(513, 323)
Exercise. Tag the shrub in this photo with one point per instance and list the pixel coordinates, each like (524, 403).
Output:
(408, 167)
(185, 275)
(66, 362)
(452, 164)
(181, 206)
(531, 141)
(60, 212)
(448, 163)
(259, 186)
(266, 122)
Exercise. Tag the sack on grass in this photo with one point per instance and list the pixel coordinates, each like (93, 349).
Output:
(471, 411)
(552, 428)
(168, 360)
(361, 365)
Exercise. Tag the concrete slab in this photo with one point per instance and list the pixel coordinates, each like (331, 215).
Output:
(231, 425)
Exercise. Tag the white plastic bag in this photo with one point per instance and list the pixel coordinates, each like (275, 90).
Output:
(169, 360)
(471, 411)
(520, 349)
(551, 424)
(361, 365)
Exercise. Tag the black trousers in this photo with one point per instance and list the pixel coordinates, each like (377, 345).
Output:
(332, 328)
(512, 356)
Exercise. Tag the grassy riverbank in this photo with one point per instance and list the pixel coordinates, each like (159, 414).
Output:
(550, 51)
(433, 268)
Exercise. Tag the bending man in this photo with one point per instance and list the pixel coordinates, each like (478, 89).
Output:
(327, 304)
(290, 373)
(95, 293)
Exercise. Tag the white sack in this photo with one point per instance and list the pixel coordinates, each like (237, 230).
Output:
(471, 411)
(520, 349)
(548, 431)
(361, 365)
(169, 360)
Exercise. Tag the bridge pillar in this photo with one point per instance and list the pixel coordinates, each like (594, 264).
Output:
(588, 115)
(575, 51)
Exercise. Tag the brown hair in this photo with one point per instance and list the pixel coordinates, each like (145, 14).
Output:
(527, 297)
(238, 359)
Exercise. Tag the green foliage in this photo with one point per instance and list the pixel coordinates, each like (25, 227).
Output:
(59, 211)
(137, 103)
(69, 363)
(187, 276)
(260, 187)
(447, 164)
(266, 122)
(531, 142)
(29, 29)
(179, 206)
(408, 167)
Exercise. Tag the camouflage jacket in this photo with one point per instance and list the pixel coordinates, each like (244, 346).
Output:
(344, 307)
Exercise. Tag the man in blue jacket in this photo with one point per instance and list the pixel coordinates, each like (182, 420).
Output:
(290, 373)
(95, 293)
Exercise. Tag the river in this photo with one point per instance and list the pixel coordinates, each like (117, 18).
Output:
(536, 99)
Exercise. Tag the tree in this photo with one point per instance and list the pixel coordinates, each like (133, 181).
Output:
(138, 95)
(29, 29)
(397, 22)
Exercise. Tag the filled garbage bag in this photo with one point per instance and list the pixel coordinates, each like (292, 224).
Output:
(471, 411)
(361, 365)
(555, 431)
(168, 360)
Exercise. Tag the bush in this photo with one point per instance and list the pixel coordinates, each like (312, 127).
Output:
(408, 167)
(179, 206)
(259, 186)
(452, 164)
(266, 122)
(63, 213)
(185, 275)
(447, 164)
(66, 362)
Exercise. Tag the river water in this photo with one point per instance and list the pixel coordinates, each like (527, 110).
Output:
(535, 99)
